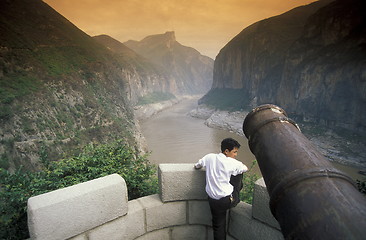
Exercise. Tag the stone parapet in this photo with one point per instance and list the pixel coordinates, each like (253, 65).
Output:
(160, 215)
(66, 212)
(261, 210)
(181, 182)
(189, 232)
(98, 209)
(199, 213)
(243, 226)
(129, 226)
(163, 234)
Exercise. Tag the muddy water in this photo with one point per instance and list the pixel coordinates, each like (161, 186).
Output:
(175, 137)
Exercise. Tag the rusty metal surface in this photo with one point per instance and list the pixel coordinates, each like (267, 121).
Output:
(308, 196)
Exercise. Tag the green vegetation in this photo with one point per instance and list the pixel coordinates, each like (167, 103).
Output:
(62, 60)
(93, 162)
(155, 97)
(13, 86)
(4, 161)
(226, 99)
(17, 85)
(249, 178)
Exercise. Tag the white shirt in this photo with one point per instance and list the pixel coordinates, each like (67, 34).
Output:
(219, 169)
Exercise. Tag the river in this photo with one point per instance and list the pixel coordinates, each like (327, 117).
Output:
(173, 136)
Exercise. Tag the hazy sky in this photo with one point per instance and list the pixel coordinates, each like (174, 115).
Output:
(206, 25)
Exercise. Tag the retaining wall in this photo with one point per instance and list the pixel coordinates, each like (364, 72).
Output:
(99, 209)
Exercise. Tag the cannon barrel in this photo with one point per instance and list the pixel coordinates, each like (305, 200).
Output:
(308, 196)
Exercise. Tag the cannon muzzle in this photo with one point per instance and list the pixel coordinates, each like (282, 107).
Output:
(308, 196)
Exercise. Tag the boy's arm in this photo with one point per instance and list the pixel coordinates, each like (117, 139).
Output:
(240, 168)
(199, 164)
(244, 168)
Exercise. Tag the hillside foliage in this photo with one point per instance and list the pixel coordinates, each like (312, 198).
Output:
(93, 162)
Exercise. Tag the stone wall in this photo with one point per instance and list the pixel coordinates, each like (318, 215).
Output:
(99, 209)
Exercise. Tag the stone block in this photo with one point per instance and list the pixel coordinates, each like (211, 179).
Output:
(261, 210)
(210, 233)
(79, 237)
(188, 232)
(199, 213)
(181, 182)
(126, 227)
(161, 215)
(228, 237)
(243, 226)
(162, 234)
(70, 211)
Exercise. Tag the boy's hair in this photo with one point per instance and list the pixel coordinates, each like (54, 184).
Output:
(230, 144)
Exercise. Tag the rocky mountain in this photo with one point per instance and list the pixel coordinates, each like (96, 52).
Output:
(311, 61)
(191, 71)
(143, 76)
(60, 89)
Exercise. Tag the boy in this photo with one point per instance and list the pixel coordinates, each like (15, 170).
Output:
(223, 183)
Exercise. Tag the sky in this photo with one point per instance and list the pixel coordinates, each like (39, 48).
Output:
(206, 25)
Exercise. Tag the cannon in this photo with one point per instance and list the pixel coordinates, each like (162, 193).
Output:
(308, 196)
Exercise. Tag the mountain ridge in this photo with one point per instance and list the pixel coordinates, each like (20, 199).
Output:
(191, 70)
(146, 78)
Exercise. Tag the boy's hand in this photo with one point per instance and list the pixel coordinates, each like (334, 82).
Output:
(197, 166)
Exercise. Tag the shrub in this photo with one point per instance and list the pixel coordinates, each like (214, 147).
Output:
(93, 162)
(249, 179)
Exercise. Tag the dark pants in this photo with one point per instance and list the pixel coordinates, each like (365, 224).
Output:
(237, 182)
(219, 208)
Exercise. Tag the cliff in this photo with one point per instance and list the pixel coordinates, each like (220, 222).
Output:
(329, 61)
(310, 61)
(143, 76)
(59, 88)
(191, 71)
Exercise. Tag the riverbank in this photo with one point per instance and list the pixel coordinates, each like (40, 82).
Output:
(348, 151)
(146, 111)
(143, 112)
(228, 121)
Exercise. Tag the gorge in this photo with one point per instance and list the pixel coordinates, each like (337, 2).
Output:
(83, 89)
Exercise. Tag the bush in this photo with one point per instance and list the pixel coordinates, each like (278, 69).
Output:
(93, 162)
(249, 179)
